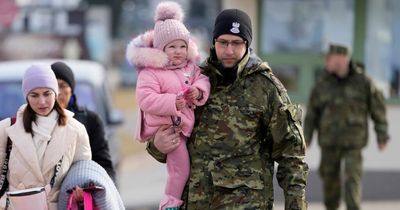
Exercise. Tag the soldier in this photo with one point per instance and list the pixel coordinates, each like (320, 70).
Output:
(247, 124)
(338, 109)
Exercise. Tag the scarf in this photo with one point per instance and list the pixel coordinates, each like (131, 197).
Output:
(42, 131)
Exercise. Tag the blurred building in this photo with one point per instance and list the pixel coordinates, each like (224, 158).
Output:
(293, 35)
(56, 29)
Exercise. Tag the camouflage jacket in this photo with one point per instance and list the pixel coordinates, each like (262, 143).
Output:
(239, 133)
(339, 108)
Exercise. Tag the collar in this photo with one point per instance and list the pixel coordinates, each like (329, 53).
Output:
(213, 61)
(170, 66)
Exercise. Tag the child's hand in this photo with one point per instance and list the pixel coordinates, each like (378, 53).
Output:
(180, 103)
(193, 93)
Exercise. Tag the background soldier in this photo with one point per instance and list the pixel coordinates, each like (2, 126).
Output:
(338, 109)
(247, 124)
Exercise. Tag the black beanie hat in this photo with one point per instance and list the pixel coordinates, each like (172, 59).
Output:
(235, 22)
(64, 72)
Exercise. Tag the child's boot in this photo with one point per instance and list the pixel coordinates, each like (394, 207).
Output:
(170, 203)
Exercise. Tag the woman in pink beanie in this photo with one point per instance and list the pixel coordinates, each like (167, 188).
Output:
(169, 87)
(40, 143)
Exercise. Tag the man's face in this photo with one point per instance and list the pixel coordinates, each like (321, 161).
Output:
(230, 49)
(65, 93)
(337, 64)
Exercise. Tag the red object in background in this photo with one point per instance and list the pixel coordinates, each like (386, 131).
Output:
(8, 10)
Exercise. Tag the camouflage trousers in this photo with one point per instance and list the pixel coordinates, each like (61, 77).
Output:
(201, 193)
(332, 160)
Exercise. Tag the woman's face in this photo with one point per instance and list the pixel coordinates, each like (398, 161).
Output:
(42, 100)
(176, 52)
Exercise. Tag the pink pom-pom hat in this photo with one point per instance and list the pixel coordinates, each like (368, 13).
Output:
(168, 24)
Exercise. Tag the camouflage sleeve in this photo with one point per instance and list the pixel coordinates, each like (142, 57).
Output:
(152, 150)
(311, 119)
(289, 150)
(377, 109)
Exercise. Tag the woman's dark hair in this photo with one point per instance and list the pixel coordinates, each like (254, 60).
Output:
(30, 116)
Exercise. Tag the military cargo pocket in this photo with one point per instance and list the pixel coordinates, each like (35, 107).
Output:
(357, 120)
(227, 176)
(250, 111)
(229, 180)
(295, 113)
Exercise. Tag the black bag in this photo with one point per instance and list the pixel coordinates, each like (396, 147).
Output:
(3, 176)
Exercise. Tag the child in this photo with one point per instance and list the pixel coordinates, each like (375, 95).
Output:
(169, 87)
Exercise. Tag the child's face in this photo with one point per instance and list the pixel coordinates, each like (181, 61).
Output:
(176, 52)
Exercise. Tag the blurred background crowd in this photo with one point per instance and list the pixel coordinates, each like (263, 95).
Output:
(292, 35)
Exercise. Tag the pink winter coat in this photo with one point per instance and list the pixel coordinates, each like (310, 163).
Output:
(158, 87)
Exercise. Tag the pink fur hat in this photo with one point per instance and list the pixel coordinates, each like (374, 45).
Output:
(168, 24)
(140, 52)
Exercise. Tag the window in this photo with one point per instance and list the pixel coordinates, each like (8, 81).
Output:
(305, 25)
(11, 98)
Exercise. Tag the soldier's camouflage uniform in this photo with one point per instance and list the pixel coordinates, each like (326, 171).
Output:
(339, 109)
(243, 128)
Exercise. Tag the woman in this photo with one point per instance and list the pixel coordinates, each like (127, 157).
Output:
(43, 136)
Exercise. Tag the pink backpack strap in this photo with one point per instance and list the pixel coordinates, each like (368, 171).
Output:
(88, 200)
(72, 203)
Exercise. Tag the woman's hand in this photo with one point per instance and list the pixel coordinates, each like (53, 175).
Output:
(78, 194)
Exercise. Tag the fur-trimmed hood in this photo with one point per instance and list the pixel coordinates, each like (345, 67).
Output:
(141, 53)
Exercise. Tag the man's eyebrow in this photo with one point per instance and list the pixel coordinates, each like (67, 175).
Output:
(231, 40)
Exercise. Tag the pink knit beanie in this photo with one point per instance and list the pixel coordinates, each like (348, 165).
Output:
(168, 24)
(39, 76)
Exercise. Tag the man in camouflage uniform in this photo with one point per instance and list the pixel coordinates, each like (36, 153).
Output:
(247, 124)
(338, 109)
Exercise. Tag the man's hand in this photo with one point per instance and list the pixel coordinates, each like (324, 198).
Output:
(167, 139)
